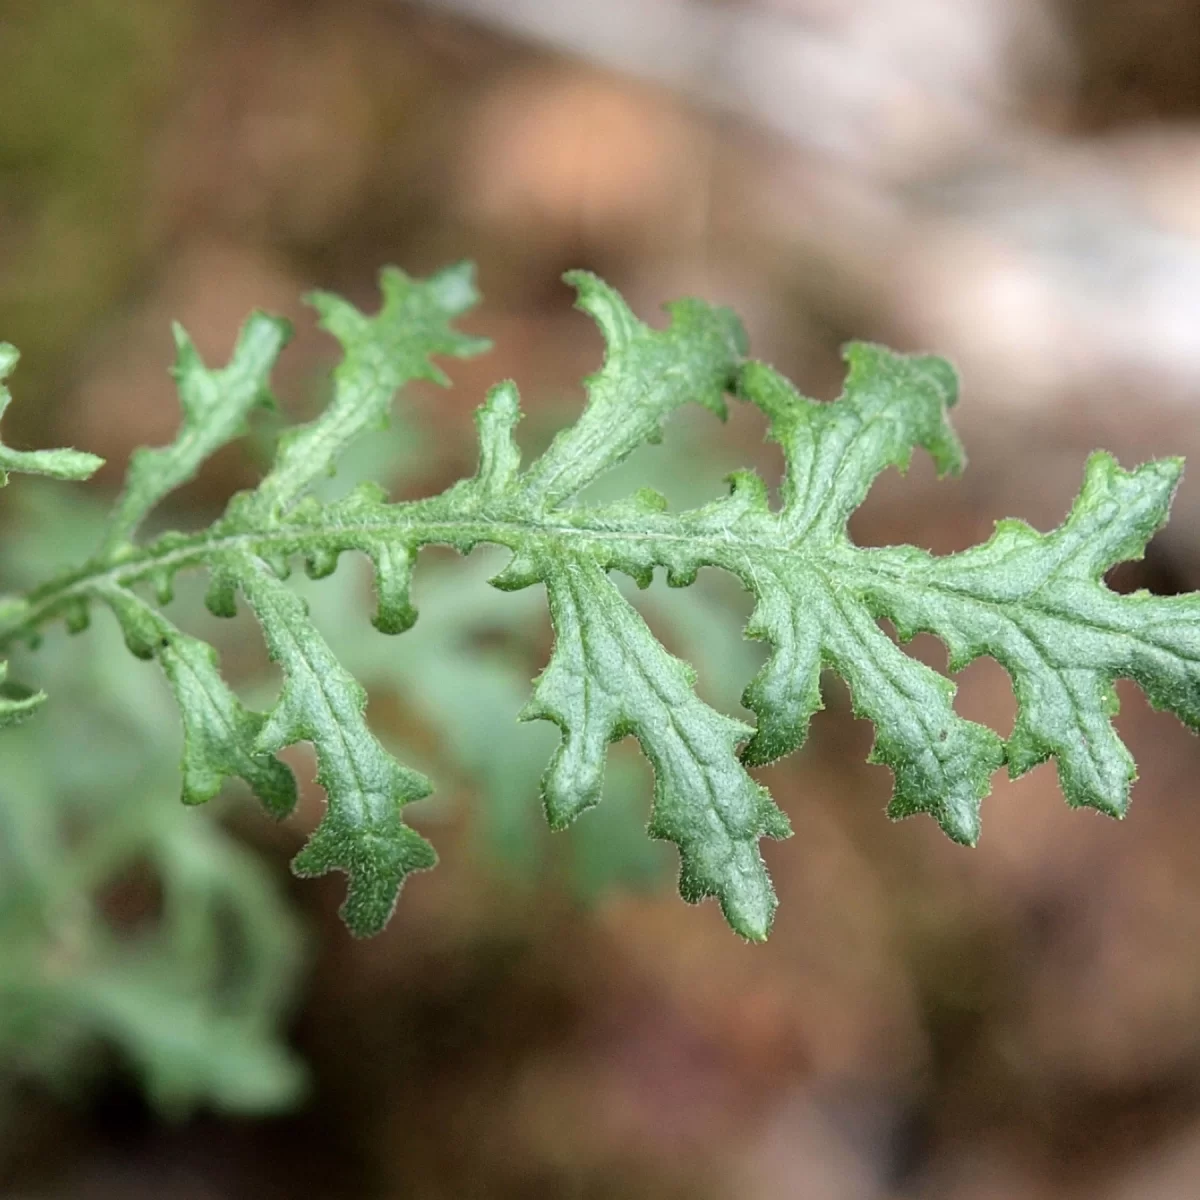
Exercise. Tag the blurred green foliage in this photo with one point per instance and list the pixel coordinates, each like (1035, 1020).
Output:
(126, 919)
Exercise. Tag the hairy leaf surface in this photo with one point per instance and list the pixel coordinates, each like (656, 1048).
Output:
(1035, 602)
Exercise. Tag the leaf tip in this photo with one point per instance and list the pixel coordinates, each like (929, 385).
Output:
(605, 305)
(749, 908)
(454, 287)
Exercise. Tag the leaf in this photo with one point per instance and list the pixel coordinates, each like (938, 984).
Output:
(646, 376)
(808, 608)
(362, 832)
(382, 354)
(184, 1051)
(194, 993)
(609, 677)
(215, 406)
(1035, 602)
(17, 705)
(59, 464)
(218, 732)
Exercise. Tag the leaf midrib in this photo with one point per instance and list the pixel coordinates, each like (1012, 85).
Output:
(171, 554)
(333, 728)
(634, 661)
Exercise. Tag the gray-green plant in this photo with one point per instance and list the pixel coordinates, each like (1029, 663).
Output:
(1035, 602)
(128, 923)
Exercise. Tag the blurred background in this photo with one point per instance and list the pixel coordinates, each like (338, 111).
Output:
(1012, 183)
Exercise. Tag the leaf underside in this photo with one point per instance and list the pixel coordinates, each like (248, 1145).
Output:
(1035, 602)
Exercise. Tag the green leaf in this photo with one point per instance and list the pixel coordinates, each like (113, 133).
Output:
(362, 832)
(808, 609)
(609, 677)
(16, 704)
(382, 354)
(646, 376)
(59, 464)
(194, 993)
(1035, 602)
(184, 1051)
(215, 407)
(218, 732)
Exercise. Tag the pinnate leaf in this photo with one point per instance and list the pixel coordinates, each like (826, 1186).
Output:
(1036, 602)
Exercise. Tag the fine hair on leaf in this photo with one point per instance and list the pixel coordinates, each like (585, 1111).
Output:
(1035, 602)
